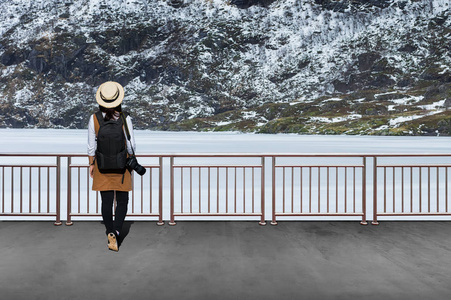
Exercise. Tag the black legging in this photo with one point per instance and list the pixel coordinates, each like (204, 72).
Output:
(107, 210)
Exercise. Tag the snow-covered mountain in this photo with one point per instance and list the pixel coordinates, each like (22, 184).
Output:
(307, 66)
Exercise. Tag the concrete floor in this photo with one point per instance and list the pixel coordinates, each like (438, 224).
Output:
(227, 260)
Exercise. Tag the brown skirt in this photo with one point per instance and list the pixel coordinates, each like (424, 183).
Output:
(111, 181)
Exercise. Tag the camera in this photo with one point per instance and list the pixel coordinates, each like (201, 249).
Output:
(132, 164)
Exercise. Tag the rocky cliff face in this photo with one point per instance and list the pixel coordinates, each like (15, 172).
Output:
(306, 66)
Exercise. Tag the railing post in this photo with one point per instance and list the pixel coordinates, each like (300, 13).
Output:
(273, 221)
(171, 172)
(69, 191)
(374, 222)
(364, 222)
(262, 221)
(160, 193)
(58, 189)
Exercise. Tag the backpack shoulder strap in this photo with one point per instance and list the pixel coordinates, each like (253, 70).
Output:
(98, 120)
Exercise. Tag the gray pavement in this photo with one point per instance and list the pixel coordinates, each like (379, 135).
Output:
(227, 260)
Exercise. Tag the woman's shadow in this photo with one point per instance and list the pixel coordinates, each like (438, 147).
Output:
(125, 230)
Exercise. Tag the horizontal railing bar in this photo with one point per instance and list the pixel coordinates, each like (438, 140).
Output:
(413, 166)
(68, 155)
(217, 166)
(37, 154)
(250, 155)
(318, 214)
(79, 166)
(99, 215)
(414, 214)
(217, 214)
(87, 165)
(188, 155)
(25, 214)
(151, 166)
(301, 154)
(29, 166)
(318, 166)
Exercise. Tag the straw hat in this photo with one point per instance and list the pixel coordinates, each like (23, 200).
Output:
(110, 94)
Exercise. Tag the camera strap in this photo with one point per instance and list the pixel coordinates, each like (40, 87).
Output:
(127, 132)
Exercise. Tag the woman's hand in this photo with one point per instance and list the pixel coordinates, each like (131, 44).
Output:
(91, 171)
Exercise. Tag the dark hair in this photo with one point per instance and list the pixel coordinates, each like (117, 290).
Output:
(109, 112)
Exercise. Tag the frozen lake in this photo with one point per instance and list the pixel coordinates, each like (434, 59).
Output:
(74, 141)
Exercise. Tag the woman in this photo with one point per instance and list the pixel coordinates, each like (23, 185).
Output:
(111, 183)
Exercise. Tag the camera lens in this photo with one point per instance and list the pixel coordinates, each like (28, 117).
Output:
(140, 169)
(132, 163)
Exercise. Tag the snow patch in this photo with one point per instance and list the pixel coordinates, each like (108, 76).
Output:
(335, 119)
(22, 96)
(249, 114)
(435, 105)
(402, 119)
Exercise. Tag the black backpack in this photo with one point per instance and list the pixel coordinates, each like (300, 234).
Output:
(111, 153)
